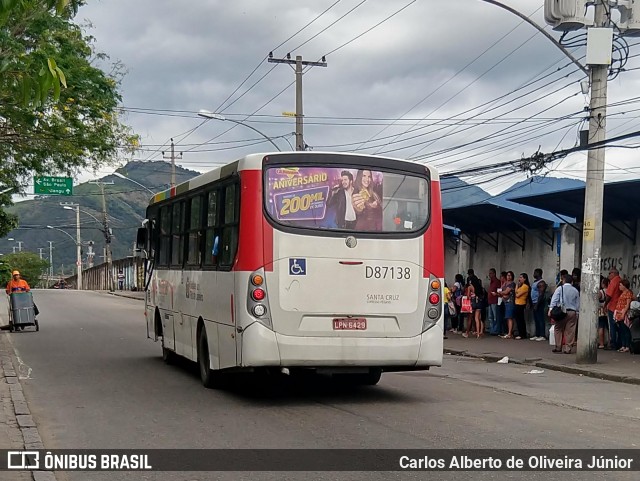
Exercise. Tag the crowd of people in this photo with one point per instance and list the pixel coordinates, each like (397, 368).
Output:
(503, 304)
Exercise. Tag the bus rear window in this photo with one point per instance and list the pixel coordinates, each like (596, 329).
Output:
(346, 198)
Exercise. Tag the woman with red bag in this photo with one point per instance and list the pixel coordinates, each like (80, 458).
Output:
(620, 314)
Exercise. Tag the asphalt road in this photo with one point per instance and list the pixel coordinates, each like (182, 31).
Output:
(93, 380)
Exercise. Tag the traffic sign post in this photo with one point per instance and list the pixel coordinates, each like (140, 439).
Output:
(46, 185)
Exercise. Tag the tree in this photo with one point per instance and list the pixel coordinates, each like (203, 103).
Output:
(77, 127)
(21, 67)
(30, 265)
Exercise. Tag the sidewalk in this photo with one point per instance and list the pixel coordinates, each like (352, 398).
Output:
(18, 430)
(611, 365)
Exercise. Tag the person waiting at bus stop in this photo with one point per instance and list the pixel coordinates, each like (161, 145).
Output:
(568, 297)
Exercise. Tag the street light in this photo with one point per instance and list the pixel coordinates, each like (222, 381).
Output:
(120, 176)
(68, 207)
(78, 243)
(210, 115)
(78, 247)
(19, 244)
(90, 254)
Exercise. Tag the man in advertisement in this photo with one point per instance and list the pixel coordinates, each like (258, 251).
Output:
(341, 202)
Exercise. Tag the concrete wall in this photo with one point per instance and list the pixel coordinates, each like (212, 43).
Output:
(618, 250)
(97, 277)
(540, 250)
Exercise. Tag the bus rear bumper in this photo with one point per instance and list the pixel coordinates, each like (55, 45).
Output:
(264, 347)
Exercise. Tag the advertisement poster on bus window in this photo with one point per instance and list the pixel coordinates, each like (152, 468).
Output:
(326, 197)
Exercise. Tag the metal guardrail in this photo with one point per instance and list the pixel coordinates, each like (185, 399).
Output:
(126, 274)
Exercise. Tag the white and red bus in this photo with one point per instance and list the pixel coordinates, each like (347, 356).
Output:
(301, 260)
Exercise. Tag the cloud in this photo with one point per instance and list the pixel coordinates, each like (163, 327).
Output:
(192, 55)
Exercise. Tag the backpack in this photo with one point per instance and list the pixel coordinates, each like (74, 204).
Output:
(458, 293)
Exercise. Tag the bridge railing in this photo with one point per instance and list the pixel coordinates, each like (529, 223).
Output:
(126, 274)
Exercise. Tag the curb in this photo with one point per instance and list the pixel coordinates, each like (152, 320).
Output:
(128, 296)
(27, 425)
(538, 362)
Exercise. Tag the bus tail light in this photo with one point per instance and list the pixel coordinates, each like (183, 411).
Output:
(433, 308)
(258, 294)
(258, 299)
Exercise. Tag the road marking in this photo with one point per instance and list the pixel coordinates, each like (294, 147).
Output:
(22, 367)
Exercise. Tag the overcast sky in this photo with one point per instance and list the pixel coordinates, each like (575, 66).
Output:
(448, 60)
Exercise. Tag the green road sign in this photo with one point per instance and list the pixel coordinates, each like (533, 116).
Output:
(53, 185)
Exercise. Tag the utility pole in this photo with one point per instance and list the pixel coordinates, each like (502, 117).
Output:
(587, 352)
(90, 254)
(299, 63)
(71, 205)
(173, 163)
(78, 248)
(19, 246)
(107, 233)
(50, 258)
(40, 249)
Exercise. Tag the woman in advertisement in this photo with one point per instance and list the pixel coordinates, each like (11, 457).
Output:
(367, 203)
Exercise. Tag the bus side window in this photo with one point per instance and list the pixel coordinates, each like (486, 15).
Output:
(211, 228)
(164, 251)
(194, 249)
(229, 244)
(177, 234)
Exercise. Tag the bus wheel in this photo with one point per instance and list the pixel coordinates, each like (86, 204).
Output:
(370, 378)
(168, 355)
(210, 379)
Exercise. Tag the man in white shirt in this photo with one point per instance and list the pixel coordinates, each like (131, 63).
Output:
(568, 296)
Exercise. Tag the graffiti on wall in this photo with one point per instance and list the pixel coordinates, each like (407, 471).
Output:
(620, 263)
(608, 263)
(634, 275)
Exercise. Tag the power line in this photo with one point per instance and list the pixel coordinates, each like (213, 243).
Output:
(447, 81)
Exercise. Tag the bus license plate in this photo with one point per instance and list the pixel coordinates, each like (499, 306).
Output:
(350, 324)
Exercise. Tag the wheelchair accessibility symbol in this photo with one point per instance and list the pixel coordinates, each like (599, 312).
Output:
(298, 267)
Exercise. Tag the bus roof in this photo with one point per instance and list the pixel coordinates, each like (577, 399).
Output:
(254, 162)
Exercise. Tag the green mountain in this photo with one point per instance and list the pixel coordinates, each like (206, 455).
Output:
(126, 205)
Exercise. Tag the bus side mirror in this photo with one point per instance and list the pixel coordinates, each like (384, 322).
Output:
(141, 241)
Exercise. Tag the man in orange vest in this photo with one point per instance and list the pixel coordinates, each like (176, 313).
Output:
(16, 284)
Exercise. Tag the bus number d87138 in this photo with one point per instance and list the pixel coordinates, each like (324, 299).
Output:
(387, 272)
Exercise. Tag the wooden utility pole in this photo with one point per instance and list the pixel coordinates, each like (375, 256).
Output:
(299, 63)
(172, 157)
(107, 233)
(587, 349)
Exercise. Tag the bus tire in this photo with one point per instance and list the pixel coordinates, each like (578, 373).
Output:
(168, 356)
(210, 379)
(370, 378)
